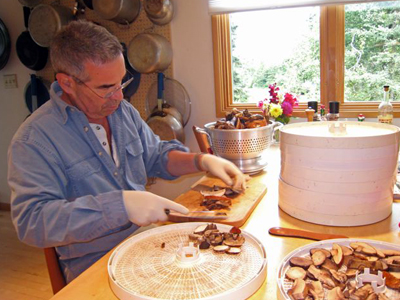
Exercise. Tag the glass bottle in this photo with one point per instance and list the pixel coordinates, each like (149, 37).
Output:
(323, 116)
(333, 114)
(314, 105)
(385, 109)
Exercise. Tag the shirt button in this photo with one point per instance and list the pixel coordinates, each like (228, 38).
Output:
(86, 129)
(104, 143)
(100, 153)
(98, 127)
(115, 173)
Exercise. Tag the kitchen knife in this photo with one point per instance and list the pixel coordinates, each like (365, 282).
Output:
(201, 214)
(289, 232)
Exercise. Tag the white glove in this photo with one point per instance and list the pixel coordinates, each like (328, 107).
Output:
(144, 208)
(225, 170)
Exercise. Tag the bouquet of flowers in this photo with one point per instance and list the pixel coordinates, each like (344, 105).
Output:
(279, 106)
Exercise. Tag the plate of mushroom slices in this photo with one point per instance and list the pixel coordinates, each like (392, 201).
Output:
(341, 269)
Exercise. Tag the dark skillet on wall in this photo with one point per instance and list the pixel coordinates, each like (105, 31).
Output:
(36, 93)
(5, 45)
(29, 53)
(131, 89)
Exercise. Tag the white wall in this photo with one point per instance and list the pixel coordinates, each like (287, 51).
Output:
(12, 104)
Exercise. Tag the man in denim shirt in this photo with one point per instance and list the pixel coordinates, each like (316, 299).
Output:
(79, 164)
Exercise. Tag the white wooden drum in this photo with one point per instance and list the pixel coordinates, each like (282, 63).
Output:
(338, 173)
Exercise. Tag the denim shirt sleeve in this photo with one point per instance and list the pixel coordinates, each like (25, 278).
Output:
(40, 212)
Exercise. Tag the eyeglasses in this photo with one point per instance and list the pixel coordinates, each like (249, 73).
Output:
(109, 94)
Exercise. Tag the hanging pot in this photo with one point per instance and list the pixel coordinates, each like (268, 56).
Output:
(5, 45)
(46, 20)
(165, 125)
(160, 12)
(131, 89)
(119, 11)
(149, 52)
(29, 53)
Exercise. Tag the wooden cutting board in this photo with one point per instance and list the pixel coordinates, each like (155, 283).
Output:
(241, 208)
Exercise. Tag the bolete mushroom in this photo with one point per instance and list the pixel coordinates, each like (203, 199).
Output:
(296, 272)
(335, 294)
(337, 253)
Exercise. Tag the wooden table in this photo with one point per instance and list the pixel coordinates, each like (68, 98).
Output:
(93, 283)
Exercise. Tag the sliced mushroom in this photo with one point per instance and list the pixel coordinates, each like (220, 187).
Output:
(233, 250)
(389, 252)
(337, 254)
(302, 262)
(318, 258)
(391, 281)
(346, 250)
(296, 272)
(372, 296)
(329, 265)
(299, 289)
(221, 248)
(316, 290)
(201, 229)
(218, 193)
(231, 242)
(339, 276)
(350, 273)
(335, 294)
(327, 252)
(323, 276)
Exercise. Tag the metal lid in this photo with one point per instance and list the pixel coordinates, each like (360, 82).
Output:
(107, 9)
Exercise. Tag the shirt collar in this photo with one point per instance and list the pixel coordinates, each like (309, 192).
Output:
(55, 95)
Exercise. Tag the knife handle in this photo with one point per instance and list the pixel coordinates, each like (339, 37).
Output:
(289, 232)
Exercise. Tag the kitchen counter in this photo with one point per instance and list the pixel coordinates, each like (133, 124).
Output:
(93, 283)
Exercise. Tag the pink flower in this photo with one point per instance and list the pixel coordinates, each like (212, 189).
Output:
(287, 108)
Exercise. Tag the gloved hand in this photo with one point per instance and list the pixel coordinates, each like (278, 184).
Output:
(227, 171)
(144, 208)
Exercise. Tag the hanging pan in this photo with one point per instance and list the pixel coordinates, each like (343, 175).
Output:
(119, 11)
(160, 12)
(29, 53)
(5, 45)
(36, 93)
(149, 52)
(131, 89)
(165, 125)
(46, 21)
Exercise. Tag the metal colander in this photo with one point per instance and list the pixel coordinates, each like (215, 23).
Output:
(240, 144)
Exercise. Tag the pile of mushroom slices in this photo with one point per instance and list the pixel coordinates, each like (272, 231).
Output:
(208, 235)
(241, 120)
(331, 273)
(219, 197)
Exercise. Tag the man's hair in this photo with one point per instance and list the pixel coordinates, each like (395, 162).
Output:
(80, 42)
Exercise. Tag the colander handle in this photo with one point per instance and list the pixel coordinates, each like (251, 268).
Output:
(203, 139)
(275, 133)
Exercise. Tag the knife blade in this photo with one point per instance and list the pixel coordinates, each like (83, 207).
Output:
(200, 214)
(317, 236)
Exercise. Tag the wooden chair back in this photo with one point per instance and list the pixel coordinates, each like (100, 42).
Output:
(53, 266)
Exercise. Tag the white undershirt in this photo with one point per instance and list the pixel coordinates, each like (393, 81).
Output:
(101, 135)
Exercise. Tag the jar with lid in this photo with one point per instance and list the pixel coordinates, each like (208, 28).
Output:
(333, 114)
(314, 105)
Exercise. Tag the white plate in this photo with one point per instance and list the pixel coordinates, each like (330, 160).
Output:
(284, 284)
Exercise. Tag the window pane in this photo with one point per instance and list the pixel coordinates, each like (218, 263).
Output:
(372, 50)
(275, 46)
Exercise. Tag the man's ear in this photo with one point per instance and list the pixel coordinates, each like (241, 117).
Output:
(66, 82)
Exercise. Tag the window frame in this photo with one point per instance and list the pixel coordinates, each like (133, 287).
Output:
(332, 49)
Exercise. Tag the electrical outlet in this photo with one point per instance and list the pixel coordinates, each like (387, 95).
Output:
(10, 81)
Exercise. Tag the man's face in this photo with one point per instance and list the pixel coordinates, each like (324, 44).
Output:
(103, 81)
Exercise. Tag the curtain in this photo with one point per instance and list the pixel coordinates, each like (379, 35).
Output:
(229, 6)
